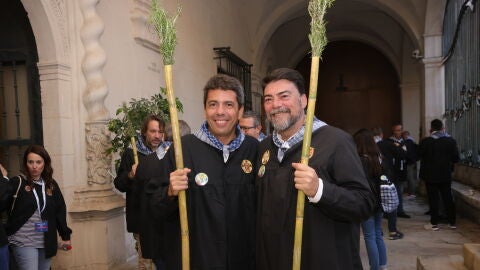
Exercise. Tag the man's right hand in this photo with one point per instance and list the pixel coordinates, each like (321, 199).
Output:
(178, 181)
(131, 174)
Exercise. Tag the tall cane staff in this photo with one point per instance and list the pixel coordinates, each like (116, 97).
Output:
(318, 40)
(165, 27)
(133, 143)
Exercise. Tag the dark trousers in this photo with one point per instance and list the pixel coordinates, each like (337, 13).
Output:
(445, 191)
(399, 186)
(392, 221)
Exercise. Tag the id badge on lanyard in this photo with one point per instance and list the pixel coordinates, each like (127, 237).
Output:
(43, 225)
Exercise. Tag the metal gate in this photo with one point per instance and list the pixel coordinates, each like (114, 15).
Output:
(461, 50)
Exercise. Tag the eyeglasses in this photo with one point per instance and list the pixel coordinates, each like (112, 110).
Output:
(246, 128)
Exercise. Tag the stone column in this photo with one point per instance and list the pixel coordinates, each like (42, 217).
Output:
(97, 211)
(434, 95)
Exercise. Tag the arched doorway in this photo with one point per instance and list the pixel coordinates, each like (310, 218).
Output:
(357, 87)
(20, 101)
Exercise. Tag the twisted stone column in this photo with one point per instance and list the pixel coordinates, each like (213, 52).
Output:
(98, 194)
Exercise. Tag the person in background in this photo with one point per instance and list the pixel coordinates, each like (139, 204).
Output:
(182, 126)
(372, 228)
(4, 191)
(438, 154)
(412, 177)
(38, 213)
(151, 226)
(398, 155)
(149, 141)
(385, 150)
(250, 125)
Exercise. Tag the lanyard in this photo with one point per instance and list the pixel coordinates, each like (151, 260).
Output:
(43, 195)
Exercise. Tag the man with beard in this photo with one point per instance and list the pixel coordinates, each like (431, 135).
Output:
(219, 181)
(148, 142)
(339, 196)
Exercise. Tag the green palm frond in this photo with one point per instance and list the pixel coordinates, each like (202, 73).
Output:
(318, 33)
(164, 26)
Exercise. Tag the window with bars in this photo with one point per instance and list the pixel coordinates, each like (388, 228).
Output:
(230, 64)
(20, 113)
(461, 40)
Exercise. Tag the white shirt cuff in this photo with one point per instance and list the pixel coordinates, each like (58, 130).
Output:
(319, 193)
(6, 177)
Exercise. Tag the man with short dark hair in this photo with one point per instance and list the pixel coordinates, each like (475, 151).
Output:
(387, 166)
(219, 181)
(339, 196)
(149, 141)
(250, 125)
(398, 153)
(438, 154)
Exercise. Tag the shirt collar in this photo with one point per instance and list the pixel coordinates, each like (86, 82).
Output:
(283, 146)
(206, 136)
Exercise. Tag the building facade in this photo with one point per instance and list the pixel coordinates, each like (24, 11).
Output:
(92, 55)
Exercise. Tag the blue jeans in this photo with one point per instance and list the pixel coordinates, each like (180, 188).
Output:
(372, 233)
(4, 257)
(30, 258)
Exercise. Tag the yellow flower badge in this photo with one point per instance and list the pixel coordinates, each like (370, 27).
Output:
(247, 166)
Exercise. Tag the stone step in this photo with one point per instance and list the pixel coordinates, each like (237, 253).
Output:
(471, 256)
(435, 262)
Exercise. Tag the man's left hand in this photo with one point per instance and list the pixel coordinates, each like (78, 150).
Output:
(306, 179)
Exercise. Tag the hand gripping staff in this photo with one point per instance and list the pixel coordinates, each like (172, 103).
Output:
(318, 41)
(165, 28)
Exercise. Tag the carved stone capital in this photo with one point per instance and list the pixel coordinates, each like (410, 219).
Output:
(98, 161)
(97, 201)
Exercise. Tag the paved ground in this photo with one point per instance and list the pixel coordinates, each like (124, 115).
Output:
(402, 253)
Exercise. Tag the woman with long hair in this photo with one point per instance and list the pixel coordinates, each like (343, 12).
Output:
(372, 227)
(38, 211)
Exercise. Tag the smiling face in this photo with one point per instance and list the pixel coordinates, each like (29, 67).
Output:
(284, 107)
(35, 165)
(222, 113)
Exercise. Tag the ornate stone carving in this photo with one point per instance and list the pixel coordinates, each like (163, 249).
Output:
(99, 163)
(57, 8)
(142, 32)
(93, 62)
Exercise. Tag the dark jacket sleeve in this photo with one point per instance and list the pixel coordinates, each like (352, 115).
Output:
(61, 214)
(162, 206)
(346, 193)
(5, 193)
(122, 182)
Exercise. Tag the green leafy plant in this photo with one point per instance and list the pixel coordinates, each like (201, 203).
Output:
(129, 119)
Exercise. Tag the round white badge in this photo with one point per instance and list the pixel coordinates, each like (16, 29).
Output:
(201, 179)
